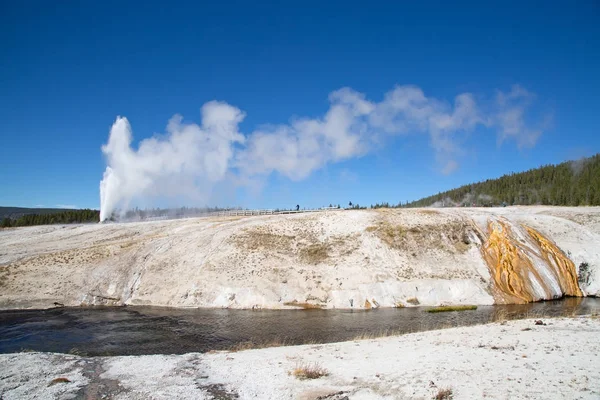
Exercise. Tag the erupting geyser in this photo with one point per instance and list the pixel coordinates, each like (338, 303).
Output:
(184, 162)
(189, 159)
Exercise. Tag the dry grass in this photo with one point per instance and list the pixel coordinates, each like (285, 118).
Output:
(129, 244)
(63, 257)
(428, 212)
(304, 244)
(500, 316)
(250, 345)
(306, 306)
(26, 350)
(453, 236)
(315, 253)
(451, 308)
(569, 313)
(392, 235)
(503, 316)
(4, 276)
(378, 334)
(257, 240)
(444, 394)
(540, 314)
(309, 371)
(461, 247)
(76, 352)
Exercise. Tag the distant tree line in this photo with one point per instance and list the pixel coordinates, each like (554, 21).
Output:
(573, 183)
(385, 204)
(63, 217)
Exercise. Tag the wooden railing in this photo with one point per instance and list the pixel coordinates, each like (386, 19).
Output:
(247, 213)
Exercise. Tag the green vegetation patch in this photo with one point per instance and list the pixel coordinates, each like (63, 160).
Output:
(48, 218)
(451, 308)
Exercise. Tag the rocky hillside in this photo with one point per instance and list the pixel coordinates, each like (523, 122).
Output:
(333, 259)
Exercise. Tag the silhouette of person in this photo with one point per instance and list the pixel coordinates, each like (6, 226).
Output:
(297, 207)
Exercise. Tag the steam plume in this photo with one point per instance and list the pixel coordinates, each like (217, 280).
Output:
(190, 159)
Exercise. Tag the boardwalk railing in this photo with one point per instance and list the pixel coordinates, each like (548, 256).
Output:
(230, 213)
(235, 213)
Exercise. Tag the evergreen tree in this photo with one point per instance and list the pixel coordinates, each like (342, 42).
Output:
(574, 183)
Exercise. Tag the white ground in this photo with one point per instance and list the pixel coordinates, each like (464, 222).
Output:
(517, 360)
(334, 259)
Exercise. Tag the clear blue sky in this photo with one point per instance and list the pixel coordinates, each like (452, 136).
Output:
(68, 69)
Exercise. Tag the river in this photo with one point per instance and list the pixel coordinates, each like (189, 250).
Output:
(103, 331)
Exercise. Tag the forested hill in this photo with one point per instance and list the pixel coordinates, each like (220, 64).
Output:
(572, 183)
(17, 212)
(17, 216)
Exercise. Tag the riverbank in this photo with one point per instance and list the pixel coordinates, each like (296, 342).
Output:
(513, 359)
(332, 259)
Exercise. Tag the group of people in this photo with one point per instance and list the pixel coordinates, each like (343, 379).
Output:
(298, 206)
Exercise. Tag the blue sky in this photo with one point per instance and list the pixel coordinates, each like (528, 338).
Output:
(68, 70)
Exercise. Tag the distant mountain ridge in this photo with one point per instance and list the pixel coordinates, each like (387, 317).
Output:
(571, 183)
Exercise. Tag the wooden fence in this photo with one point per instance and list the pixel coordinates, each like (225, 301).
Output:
(247, 213)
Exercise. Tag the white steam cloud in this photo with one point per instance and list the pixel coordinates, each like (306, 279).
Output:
(190, 159)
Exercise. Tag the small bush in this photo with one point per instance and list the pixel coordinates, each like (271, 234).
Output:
(451, 308)
(413, 300)
(444, 394)
(584, 275)
(314, 371)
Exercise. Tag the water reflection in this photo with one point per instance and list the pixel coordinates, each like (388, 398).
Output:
(151, 330)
